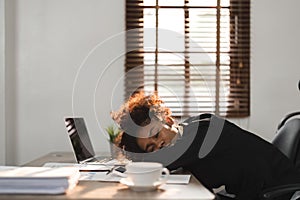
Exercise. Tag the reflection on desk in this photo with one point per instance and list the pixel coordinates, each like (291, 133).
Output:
(105, 190)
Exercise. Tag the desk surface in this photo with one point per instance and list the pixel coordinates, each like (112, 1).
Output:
(104, 190)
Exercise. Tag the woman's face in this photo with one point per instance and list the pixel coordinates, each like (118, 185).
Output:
(155, 136)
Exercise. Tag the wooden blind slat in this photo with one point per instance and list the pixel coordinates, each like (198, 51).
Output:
(225, 41)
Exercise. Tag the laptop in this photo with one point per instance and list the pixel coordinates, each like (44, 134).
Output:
(80, 140)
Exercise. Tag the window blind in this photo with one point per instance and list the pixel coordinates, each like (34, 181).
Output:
(209, 71)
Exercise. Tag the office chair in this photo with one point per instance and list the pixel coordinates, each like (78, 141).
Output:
(287, 140)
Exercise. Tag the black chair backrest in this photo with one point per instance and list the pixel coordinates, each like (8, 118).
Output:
(286, 118)
(287, 139)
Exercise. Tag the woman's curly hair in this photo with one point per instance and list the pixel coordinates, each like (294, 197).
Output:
(137, 112)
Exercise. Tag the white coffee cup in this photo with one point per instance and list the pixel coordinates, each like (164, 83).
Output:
(146, 173)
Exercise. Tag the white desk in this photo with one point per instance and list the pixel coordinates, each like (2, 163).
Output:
(104, 190)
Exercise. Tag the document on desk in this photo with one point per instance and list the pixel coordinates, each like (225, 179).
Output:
(111, 177)
(81, 167)
(102, 173)
(99, 176)
(179, 179)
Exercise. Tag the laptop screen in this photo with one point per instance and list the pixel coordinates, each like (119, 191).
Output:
(80, 139)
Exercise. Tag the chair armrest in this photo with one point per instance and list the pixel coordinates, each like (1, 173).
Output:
(277, 191)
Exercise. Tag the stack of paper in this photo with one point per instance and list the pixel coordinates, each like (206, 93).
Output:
(81, 167)
(37, 180)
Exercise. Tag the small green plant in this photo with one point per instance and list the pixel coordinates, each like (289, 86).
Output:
(113, 132)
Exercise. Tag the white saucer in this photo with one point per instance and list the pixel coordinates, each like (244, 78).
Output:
(140, 188)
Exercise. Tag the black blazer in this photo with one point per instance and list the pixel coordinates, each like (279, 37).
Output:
(217, 152)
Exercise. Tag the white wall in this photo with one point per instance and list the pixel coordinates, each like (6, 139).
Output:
(275, 67)
(2, 86)
(47, 41)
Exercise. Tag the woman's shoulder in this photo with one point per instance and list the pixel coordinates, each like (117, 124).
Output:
(196, 124)
(197, 118)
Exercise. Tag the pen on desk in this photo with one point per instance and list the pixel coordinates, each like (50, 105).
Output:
(117, 173)
(111, 170)
(108, 172)
(95, 170)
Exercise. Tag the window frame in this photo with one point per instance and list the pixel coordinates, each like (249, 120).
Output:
(239, 36)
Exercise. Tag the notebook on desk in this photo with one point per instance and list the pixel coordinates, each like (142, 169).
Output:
(80, 140)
